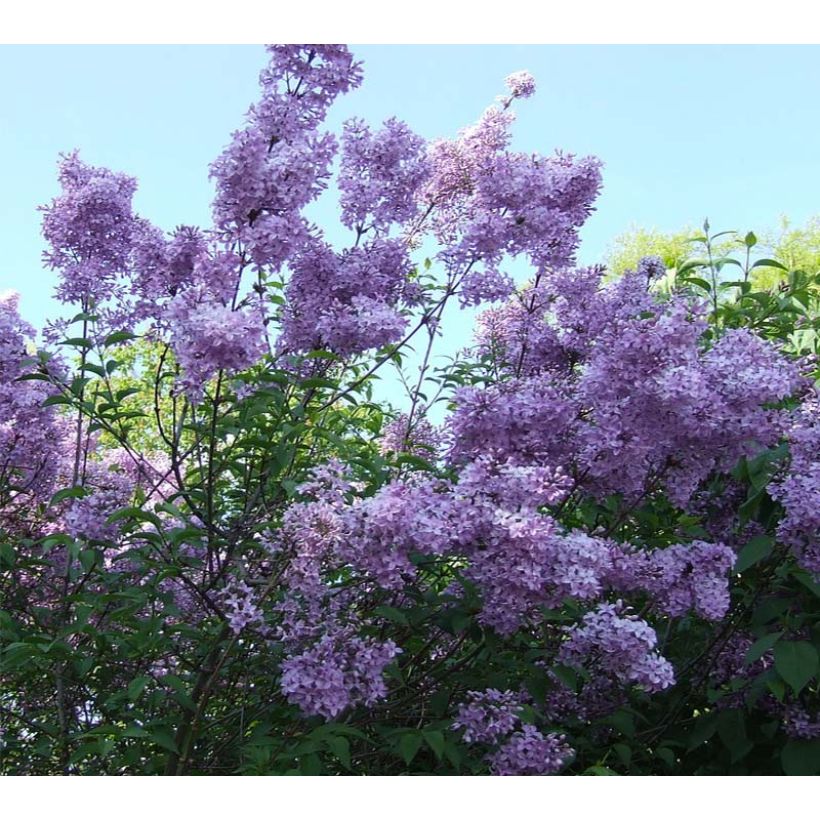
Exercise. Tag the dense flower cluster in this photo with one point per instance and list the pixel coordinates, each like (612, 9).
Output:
(488, 202)
(208, 336)
(493, 718)
(346, 302)
(799, 490)
(241, 606)
(688, 577)
(109, 485)
(619, 645)
(529, 752)
(380, 174)
(798, 723)
(413, 436)
(89, 229)
(621, 383)
(487, 717)
(521, 84)
(30, 434)
(337, 672)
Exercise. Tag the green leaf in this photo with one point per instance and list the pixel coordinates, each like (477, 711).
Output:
(409, 744)
(52, 400)
(777, 688)
(691, 264)
(7, 555)
(340, 746)
(750, 240)
(623, 722)
(701, 283)
(769, 263)
(136, 687)
(435, 740)
(119, 336)
(731, 726)
(78, 341)
(88, 558)
(666, 755)
(801, 757)
(624, 753)
(317, 382)
(310, 765)
(390, 613)
(163, 738)
(600, 771)
(796, 662)
(68, 492)
(84, 317)
(756, 550)
(135, 514)
(761, 646)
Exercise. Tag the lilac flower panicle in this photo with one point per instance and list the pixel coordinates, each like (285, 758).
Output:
(241, 606)
(798, 489)
(89, 229)
(488, 716)
(334, 675)
(529, 752)
(619, 645)
(209, 336)
(692, 576)
(521, 84)
(380, 174)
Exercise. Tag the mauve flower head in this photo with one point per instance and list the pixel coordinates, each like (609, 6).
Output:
(337, 673)
(380, 174)
(488, 716)
(529, 752)
(209, 336)
(89, 228)
(611, 642)
(521, 84)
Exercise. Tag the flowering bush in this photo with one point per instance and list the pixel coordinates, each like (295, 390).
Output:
(589, 544)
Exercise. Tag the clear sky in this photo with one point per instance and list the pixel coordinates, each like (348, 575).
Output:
(685, 132)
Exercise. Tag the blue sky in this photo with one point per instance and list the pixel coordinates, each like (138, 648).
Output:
(684, 132)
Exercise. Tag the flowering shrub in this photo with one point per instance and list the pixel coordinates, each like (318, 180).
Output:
(221, 554)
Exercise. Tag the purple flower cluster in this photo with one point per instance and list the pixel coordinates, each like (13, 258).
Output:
(530, 420)
(336, 673)
(619, 646)
(380, 174)
(415, 437)
(492, 717)
(688, 577)
(529, 752)
(488, 202)
(241, 607)
(798, 723)
(89, 230)
(521, 84)
(488, 716)
(279, 162)
(109, 487)
(346, 302)
(32, 437)
(799, 489)
(161, 267)
(208, 336)
(621, 386)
